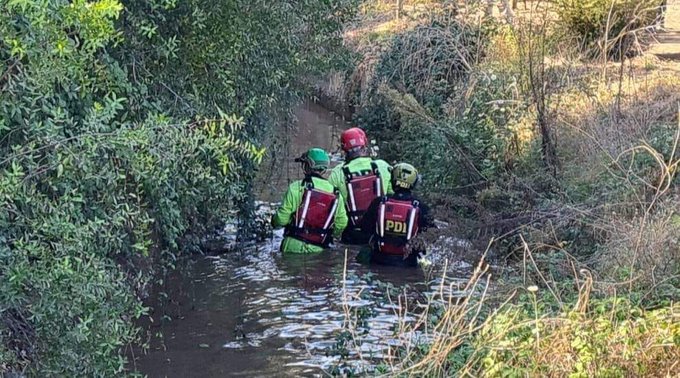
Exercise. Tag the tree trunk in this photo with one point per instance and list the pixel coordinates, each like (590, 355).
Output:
(400, 8)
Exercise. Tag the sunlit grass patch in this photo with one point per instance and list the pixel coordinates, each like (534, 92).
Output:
(532, 332)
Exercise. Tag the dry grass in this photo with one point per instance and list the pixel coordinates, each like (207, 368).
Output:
(475, 336)
(598, 122)
(621, 136)
(644, 250)
(606, 113)
(369, 36)
(377, 21)
(459, 322)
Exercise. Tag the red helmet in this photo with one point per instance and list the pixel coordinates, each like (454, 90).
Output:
(353, 138)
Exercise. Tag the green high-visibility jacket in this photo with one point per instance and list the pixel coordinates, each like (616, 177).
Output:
(291, 201)
(338, 180)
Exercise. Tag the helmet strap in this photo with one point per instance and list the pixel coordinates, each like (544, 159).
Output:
(306, 167)
(308, 170)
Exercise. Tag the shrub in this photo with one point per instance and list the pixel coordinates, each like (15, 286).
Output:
(432, 105)
(429, 60)
(477, 136)
(534, 333)
(123, 132)
(610, 338)
(72, 211)
(605, 26)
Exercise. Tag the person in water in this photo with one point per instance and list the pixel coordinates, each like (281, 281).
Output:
(394, 220)
(360, 180)
(312, 210)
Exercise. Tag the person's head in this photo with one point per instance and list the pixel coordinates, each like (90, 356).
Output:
(315, 160)
(354, 143)
(404, 177)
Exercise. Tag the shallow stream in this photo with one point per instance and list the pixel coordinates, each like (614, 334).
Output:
(254, 312)
(258, 313)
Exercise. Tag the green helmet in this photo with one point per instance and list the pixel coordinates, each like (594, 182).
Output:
(404, 176)
(314, 160)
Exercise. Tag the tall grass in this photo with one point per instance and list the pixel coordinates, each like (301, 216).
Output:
(533, 332)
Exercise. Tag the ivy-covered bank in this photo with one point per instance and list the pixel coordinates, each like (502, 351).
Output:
(126, 129)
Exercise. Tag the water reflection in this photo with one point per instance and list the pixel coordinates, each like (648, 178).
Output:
(281, 315)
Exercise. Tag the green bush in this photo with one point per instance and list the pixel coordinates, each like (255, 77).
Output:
(611, 338)
(477, 137)
(437, 105)
(123, 132)
(604, 25)
(243, 57)
(100, 200)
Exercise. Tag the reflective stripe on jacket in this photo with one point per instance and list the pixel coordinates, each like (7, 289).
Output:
(292, 200)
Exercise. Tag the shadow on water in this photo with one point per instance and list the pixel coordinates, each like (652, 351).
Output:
(258, 313)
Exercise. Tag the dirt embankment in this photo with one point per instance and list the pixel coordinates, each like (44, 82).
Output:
(314, 126)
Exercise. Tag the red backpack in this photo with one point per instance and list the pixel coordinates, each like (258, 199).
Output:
(362, 188)
(314, 217)
(397, 223)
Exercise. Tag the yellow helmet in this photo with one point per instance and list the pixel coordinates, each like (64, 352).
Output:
(404, 176)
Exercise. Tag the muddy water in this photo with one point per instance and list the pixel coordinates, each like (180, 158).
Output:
(254, 312)
(258, 313)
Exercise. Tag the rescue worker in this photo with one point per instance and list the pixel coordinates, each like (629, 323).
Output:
(312, 210)
(395, 220)
(360, 180)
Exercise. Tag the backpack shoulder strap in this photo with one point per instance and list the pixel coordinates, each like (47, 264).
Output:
(308, 182)
(374, 168)
(346, 172)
